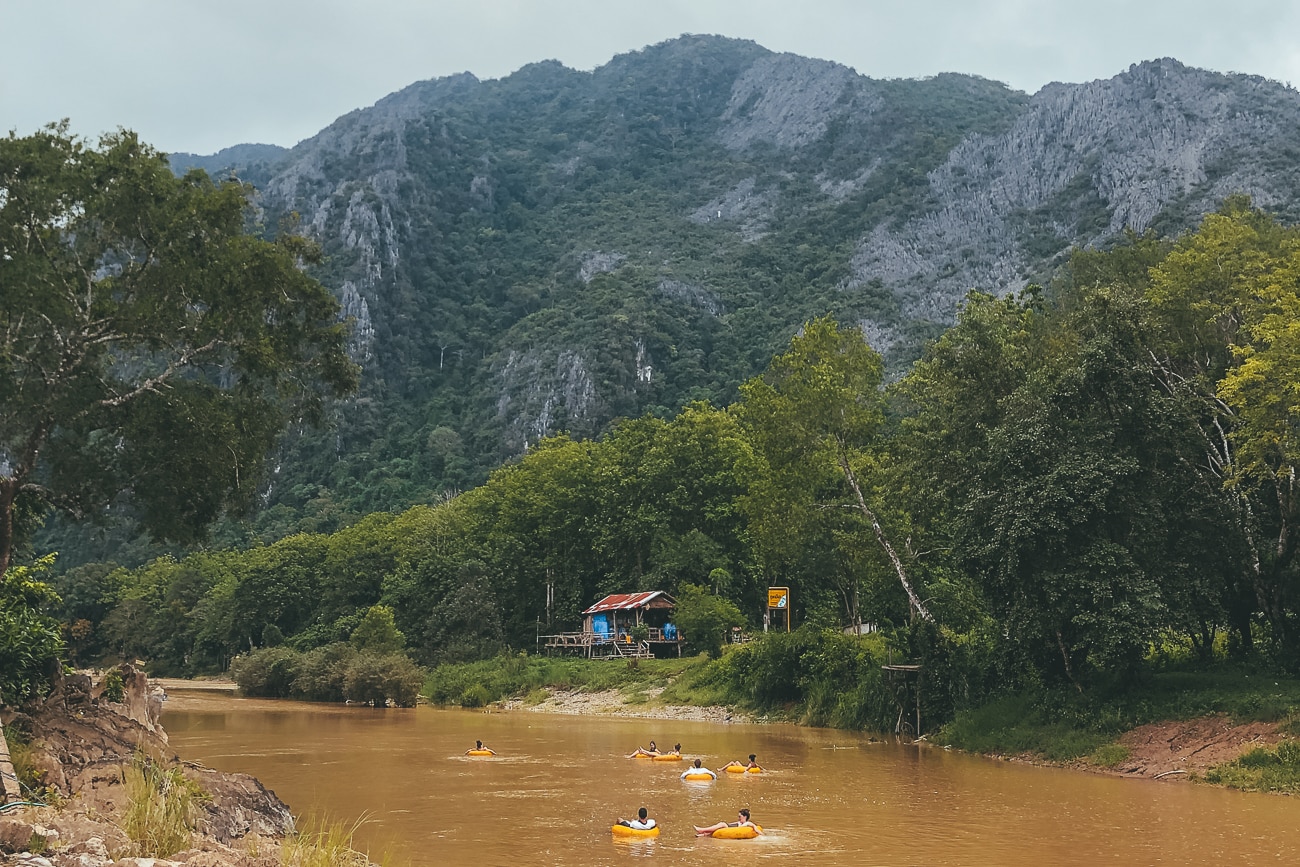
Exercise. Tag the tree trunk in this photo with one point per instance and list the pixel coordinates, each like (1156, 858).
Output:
(8, 493)
(917, 605)
(1065, 657)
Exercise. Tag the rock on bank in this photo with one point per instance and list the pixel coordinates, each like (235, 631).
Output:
(80, 745)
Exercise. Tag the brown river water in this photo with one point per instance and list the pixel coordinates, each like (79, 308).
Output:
(829, 797)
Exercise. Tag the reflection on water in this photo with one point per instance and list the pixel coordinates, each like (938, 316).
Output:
(829, 797)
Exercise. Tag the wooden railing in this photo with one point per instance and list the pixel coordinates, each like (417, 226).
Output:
(590, 639)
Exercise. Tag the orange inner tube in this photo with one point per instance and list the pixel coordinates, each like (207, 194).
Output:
(742, 833)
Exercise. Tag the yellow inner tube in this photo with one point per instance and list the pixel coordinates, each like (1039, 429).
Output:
(742, 833)
(741, 769)
(699, 776)
(754, 771)
(643, 756)
(670, 757)
(480, 753)
(625, 831)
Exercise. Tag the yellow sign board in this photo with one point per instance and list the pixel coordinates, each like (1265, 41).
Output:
(778, 597)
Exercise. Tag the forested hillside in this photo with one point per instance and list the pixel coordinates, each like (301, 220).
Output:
(1070, 487)
(557, 249)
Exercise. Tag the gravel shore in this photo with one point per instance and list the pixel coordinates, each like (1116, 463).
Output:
(614, 703)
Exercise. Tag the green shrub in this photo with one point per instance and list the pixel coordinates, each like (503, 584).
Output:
(30, 639)
(1109, 755)
(705, 619)
(1258, 757)
(321, 674)
(267, 673)
(378, 680)
(114, 686)
(476, 695)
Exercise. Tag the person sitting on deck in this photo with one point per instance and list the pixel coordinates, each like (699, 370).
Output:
(746, 765)
(697, 769)
(640, 823)
(652, 751)
(479, 748)
(744, 822)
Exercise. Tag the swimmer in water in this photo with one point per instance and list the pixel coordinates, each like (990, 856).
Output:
(744, 822)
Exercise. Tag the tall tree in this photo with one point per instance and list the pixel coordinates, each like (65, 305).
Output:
(1065, 478)
(818, 410)
(1227, 300)
(151, 349)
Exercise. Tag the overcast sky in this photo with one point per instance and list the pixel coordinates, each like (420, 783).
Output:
(197, 76)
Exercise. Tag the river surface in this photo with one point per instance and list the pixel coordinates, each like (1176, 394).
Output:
(829, 797)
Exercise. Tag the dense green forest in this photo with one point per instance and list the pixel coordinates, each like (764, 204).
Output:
(1071, 486)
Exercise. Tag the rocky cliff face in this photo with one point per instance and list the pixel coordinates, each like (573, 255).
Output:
(1079, 166)
(555, 249)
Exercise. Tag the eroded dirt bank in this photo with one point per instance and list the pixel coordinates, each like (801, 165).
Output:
(1173, 750)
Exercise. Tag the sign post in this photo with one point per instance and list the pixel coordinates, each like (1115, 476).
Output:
(778, 599)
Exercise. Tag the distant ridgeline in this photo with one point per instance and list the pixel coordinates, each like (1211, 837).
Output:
(557, 249)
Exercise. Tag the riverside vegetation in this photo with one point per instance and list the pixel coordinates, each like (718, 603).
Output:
(1069, 481)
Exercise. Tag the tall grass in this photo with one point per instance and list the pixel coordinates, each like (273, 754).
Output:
(1262, 769)
(162, 808)
(323, 843)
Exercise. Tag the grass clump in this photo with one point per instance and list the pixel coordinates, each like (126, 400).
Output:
(322, 843)
(1261, 770)
(1109, 755)
(162, 808)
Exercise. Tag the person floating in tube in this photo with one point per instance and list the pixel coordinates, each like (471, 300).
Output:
(750, 765)
(641, 822)
(743, 822)
(651, 751)
(698, 770)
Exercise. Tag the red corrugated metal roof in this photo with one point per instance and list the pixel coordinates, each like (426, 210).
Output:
(623, 601)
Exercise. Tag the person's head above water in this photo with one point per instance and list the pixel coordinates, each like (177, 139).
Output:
(642, 813)
(697, 763)
(677, 748)
(752, 756)
(478, 745)
(744, 813)
(652, 745)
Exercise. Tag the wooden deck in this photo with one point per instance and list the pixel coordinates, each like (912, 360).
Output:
(595, 646)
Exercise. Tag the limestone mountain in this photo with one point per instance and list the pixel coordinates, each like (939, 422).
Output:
(553, 250)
